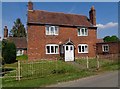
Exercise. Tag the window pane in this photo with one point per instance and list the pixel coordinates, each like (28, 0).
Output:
(47, 30)
(52, 49)
(56, 30)
(85, 31)
(71, 48)
(48, 49)
(82, 31)
(78, 31)
(83, 49)
(106, 48)
(20, 51)
(66, 48)
(52, 30)
(56, 49)
(86, 48)
(79, 47)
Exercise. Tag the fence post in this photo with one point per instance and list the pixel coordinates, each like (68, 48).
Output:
(98, 64)
(87, 62)
(16, 73)
(32, 68)
(19, 70)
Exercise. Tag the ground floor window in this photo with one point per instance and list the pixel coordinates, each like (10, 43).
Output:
(105, 48)
(20, 52)
(82, 48)
(52, 49)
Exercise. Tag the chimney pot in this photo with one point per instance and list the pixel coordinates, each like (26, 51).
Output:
(30, 5)
(92, 8)
(5, 32)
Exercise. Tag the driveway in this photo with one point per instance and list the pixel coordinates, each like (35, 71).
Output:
(108, 79)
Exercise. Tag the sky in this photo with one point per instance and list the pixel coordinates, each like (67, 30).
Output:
(106, 13)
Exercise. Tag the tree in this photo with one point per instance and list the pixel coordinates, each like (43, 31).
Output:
(8, 51)
(18, 29)
(111, 39)
(114, 38)
(106, 39)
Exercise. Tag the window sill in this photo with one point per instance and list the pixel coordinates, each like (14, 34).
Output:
(83, 52)
(52, 35)
(105, 51)
(52, 53)
(82, 35)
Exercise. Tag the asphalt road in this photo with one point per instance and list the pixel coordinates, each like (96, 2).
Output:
(108, 79)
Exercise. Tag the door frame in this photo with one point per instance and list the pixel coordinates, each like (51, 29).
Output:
(69, 49)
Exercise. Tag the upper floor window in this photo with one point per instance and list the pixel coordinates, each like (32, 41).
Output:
(105, 48)
(51, 30)
(82, 32)
(52, 49)
(82, 48)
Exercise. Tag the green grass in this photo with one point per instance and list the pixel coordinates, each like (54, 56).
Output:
(49, 72)
(22, 57)
(104, 64)
(45, 80)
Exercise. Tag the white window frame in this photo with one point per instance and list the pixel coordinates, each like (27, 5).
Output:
(104, 49)
(79, 32)
(54, 45)
(81, 48)
(49, 32)
(20, 52)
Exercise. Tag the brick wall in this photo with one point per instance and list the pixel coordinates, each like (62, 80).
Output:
(113, 48)
(37, 40)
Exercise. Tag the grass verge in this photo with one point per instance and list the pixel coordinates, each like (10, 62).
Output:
(50, 72)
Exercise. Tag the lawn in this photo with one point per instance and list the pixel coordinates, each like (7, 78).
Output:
(104, 64)
(44, 72)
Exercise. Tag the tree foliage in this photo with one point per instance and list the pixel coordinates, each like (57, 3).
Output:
(111, 39)
(8, 51)
(18, 29)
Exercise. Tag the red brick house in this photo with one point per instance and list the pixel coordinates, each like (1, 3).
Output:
(20, 43)
(52, 35)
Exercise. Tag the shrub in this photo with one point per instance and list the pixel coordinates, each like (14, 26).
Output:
(8, 51)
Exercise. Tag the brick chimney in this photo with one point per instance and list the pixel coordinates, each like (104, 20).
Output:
(5, 32)
(92, 15)
(30, 6)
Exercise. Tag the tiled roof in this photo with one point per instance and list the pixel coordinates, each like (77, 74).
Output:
(44, 17)
(20, 42)
(100, 40)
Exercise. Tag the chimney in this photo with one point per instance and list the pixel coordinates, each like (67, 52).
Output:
(5, 32)
(30, 6)
(92, 15)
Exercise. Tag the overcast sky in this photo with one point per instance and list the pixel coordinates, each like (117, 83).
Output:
(106, 13)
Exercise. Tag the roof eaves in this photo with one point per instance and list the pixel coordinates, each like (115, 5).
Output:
(38, 23)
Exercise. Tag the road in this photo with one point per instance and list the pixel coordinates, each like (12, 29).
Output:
(108, 79)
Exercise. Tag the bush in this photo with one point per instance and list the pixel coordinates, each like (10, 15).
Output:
(8, 51)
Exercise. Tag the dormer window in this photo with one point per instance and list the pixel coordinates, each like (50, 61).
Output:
(51, 30)
(82, 32)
